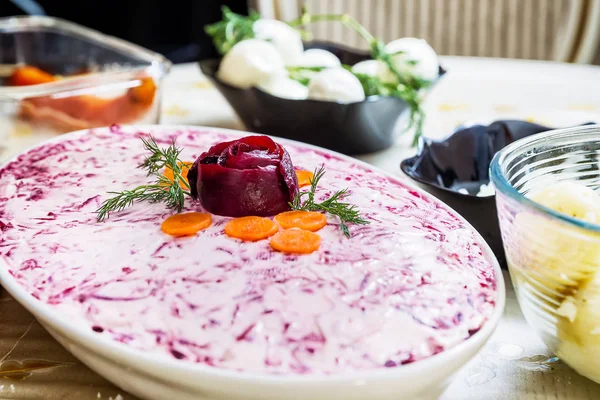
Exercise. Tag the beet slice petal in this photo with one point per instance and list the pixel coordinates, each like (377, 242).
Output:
(249, 176)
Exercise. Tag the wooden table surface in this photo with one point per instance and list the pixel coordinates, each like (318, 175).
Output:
(515, 364)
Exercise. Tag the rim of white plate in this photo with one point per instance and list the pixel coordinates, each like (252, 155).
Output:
(120, 350)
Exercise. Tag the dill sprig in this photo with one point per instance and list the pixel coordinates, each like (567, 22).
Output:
(163, 190)
(346, 212)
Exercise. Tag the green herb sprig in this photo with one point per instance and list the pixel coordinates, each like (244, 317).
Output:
(407, 86)
(232, 29)
(346, 212)
(303, 74)
(163, 190)
(173, 192)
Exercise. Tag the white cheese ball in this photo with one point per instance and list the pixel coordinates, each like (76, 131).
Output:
(319, 58)
(249, 63)
(336, 84)
(286, 39)
(284, 87)
(418, 59)
(367, 67)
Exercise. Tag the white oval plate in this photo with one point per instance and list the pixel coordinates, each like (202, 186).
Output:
(157, 377)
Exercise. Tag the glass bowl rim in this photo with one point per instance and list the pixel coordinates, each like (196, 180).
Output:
(502, 184)
(150, 60)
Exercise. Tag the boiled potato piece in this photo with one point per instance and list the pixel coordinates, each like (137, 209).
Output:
(573, 199)
(579, 330)
(554, 256)
(563, 270)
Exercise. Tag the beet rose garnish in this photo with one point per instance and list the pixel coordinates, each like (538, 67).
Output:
(249, 176)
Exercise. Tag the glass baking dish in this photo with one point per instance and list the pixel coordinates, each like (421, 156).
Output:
(95, 79)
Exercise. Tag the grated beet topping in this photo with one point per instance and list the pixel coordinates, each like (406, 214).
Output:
(412, 283)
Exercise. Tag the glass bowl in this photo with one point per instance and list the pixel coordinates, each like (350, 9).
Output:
(552, 257)
(98, 79)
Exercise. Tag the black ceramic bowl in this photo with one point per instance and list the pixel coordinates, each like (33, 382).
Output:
(354, 128)
(462, 161)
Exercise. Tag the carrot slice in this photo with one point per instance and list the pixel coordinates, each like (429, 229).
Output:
(251, 228)
(185, 168)
(304, 177)
(307, 220)
(296, 241)
(144, 93)
(28, 75)
(186, 224)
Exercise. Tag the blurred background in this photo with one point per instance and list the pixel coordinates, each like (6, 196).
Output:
(172, 28)
(560, 30)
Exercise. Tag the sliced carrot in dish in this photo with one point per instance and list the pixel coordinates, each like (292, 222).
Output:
(307, 220)
(144, 93)
(251, 228)
(185, 168)
(27, 75)
(186, 224)
(304, 177)
(296, 241)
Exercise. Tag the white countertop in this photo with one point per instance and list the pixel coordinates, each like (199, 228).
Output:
(515, 364)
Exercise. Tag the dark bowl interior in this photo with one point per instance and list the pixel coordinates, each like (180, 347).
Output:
(462, 161)
(354, 128)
